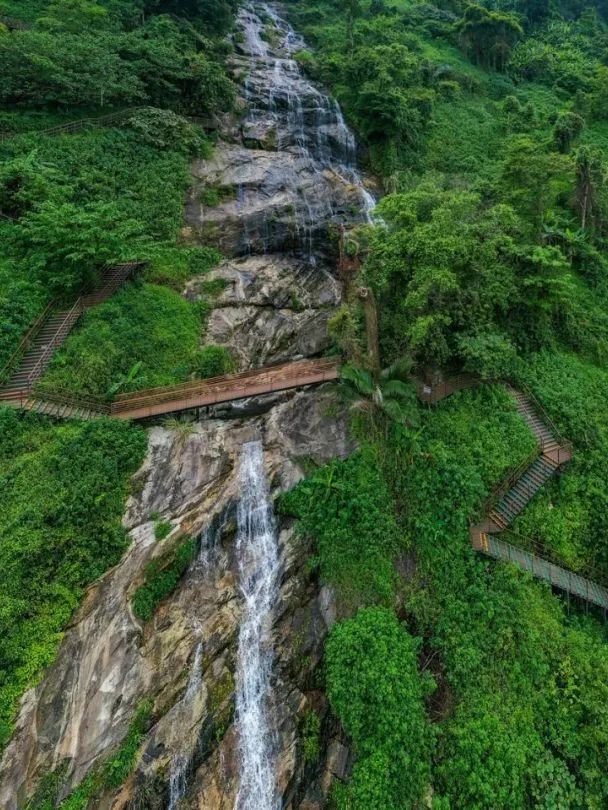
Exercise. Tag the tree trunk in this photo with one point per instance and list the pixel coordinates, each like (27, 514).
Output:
(370, 309)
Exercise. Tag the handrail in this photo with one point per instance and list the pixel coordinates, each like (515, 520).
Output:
(505, 484)
(26, 339)
(67, 398)
(233, 377)
(104, 120)
(433, 393)
(226, 386)
(85, 301)
(57, 338)
(75, 126)
(173, 393)
(539, 550)
(546, 418)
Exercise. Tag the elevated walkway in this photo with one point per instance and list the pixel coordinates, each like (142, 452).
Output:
(511, 496)
(31, 358)
(188, 396)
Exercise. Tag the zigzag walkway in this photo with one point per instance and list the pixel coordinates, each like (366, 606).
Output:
(516, 491)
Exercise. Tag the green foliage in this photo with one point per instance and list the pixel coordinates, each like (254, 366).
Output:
(66, 245)
(310, 733)
(161, 529)
(390, 395)
(119, 766)
(161, 578)
(145, 329)
(488, 35)
(172, 266)
(74, 58)
(569, 517)
(164, 129)
(347, 508)
(72, 202)
(213, 361)
(62, 490)
(375, 688)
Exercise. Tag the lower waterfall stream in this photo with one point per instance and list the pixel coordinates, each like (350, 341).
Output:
(257, 551)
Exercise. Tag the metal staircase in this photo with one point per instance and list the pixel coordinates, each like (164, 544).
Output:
(34, 353)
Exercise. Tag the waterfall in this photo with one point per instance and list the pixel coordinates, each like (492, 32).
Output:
(307, 120)
(258, 562)
(180, 762)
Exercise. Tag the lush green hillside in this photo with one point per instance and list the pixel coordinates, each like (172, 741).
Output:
(487, 127)
(460, 683)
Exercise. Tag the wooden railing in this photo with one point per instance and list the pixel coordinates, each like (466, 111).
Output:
(431, 393)
(587, 582)
(226, 388)
(193, 394)
(82, 303)
(210, 123)
(564, 443)
(26, 340)
(78, 125)
(47, 394)
(72, 315)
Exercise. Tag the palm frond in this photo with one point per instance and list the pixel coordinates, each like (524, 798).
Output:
(359, 378)
(399, 370)
(396, 389)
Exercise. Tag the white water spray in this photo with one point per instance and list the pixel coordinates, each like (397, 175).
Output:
(257, 551)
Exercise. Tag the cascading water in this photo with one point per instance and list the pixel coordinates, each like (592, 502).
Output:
(181, 761)
(306, 120)
(258, 562)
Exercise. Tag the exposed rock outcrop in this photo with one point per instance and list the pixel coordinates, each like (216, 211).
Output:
(109, 662)
(272, 308)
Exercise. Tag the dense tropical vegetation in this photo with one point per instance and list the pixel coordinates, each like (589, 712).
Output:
(71, 202)
(486, 125)
(459, 683)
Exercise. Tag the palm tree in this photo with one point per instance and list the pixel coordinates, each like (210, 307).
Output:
(389, 394)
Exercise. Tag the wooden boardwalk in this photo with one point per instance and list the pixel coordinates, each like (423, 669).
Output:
(188, 396)
(587, 589)
(201, 393)
(511, 496)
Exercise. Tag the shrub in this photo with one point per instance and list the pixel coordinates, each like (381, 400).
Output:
(213, 361)
(374, 687)
(161, 578)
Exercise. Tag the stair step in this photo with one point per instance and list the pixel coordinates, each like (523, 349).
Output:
(498, 519)
(516, 498)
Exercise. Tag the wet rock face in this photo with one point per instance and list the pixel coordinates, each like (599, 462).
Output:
(272, 308)
(289, 173)
(109, 662)
(273, 201)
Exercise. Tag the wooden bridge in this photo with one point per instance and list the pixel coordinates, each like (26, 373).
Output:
(187, 396)
(511, 496)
